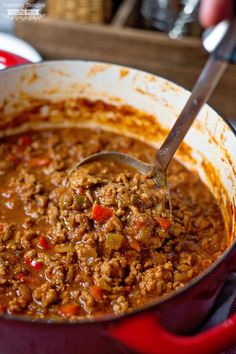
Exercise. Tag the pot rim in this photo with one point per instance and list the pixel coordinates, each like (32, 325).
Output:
(110, 318)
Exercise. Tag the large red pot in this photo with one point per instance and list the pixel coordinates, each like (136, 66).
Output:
(161, 327)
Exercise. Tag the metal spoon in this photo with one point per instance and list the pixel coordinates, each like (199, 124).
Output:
(206, 83)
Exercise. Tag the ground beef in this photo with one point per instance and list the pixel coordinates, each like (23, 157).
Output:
(124, 207)
(102, 243)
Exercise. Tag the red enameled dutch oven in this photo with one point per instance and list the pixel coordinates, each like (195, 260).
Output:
(166, 326)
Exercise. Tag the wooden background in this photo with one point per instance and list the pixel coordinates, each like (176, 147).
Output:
(178, 60)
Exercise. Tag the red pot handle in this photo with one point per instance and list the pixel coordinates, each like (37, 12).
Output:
(144, 334)
(8, 59)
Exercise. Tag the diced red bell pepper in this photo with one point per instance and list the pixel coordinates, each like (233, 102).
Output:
(21, 277)
(96, 292)
(69, 309)
(33, 263)
(39, 162)
(138, 224)
(101, 214)
(81, 190)
(164, 223)
(24, 140)
(43, 243)
(135, 245)
(37, 265)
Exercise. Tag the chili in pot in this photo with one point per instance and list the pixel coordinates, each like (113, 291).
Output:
(75, 325)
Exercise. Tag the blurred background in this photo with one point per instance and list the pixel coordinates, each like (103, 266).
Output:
(175, 17)
(160, 36)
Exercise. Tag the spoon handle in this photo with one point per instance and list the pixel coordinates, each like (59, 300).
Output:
(206, 83)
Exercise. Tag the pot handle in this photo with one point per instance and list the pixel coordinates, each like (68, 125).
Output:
(8, 59)
(144, 334)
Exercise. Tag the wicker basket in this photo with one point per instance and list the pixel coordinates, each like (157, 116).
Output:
(94, 11)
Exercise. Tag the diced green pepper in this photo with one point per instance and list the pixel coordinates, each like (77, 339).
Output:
(90, 254)
(8, 232)
(66, 200)
(114, 241)
(103, 284)
(81, 202)
(144, 234)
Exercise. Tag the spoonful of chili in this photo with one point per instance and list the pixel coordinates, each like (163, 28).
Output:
(206, 83)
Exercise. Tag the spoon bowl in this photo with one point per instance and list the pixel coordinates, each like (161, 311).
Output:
(154, 171)
(151, 170)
